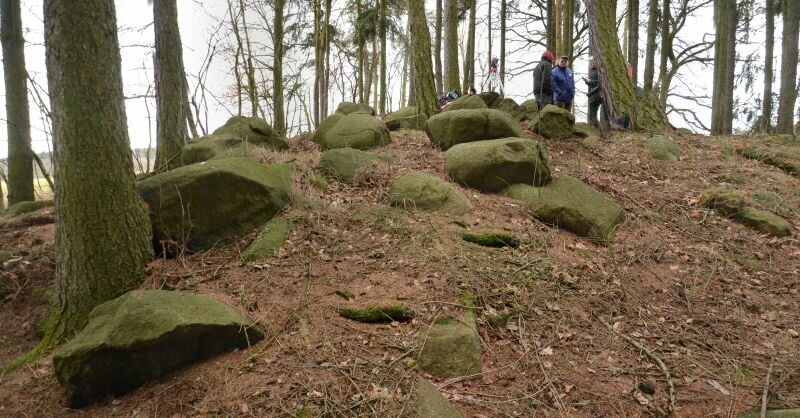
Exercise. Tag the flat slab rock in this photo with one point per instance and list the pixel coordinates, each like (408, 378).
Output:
(451, 348)
(143, 335)
(431, 403)
(468, 125)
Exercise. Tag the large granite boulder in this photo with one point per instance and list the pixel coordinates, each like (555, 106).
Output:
(342, 163)
(490, 98)
(584, 130)
(406, 118)
(467, 125)
(355, 130)
(424, 191)
(209, 146)
(569, 203)
(143, 335)
(270, 240)
(553, 122)
(511, 107)
(451, 348)
(346, 108)
(431, 403)
(252, 130)
(489, 166)
(201, 204)
(732, 205)
(531, 107)
(466, 102)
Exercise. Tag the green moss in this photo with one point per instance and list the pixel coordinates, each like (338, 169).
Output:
(319, 182)
(345, 294)
(4, 256)
(22, 208)
(378, 314)
(500, 320)
(492, 239)
(776, 158)
(461, 224)
(270, 240)
(731, 204)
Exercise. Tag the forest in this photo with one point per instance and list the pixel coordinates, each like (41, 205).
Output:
(445, 208)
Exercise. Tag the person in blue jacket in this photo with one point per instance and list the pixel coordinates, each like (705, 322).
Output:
(563, 84)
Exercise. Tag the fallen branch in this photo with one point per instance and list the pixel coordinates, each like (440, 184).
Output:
(653, 356)
(765, 395)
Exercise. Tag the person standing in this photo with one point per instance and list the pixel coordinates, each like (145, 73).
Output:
(595, 96)
(563, 84)
(543, 80)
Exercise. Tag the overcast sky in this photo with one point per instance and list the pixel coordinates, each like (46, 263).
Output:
(197, 20)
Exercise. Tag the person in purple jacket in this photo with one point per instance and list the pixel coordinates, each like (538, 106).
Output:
(563, 84)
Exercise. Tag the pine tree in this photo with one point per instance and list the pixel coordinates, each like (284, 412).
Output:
(765, 121)
(452, 80)
(725, 17)
(633, 38)
(171, 98)
(469, 58)
(278, 119)
(20, 158)
(788, 93)
(650, 52)
(425, 93)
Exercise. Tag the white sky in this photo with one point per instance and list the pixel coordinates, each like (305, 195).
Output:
(197, 25)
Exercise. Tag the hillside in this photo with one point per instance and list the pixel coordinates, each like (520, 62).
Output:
(712, 300)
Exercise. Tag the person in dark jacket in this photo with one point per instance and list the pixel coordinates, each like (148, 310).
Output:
(563, 84)
(595, 96)
(543, 80)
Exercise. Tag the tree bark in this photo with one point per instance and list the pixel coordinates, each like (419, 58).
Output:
(437, 50)
(765, 122)
(567, 28)
(618, 93)
(361, 41)
(633, 38)
(252, 89)
(18, 124)
(551, 26)
(423, 68)
(327, 65)
(788, 93)
(666, 49)
(489, 31)
(650, 52)
(102, 234)
(452, 79)
(170, 80)
(279, 118)
(469, 59)
(382, 84)
(725, 16)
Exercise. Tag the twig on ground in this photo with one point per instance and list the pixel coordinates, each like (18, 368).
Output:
(765, 395)
(653, 356)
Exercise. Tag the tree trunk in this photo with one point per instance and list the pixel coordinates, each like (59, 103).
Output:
(170, 80)
(423, 68)
(318, 57)
(404, 79)
(361, 41)
(278, 119)
(724, 66)
(765, 122)
(452, 80)
(489, 30)
(788, 93)
(18, 124)
(239, 52)
(437, 52)
(252, 89)
(633, 38)
(382, 84)
(618, 93)
(650, 52)
(502, 69)
(551, 26)
(469, 60)
(557, 21)
(102, 237)
(666, 49)
(568, 28)
(327, 66)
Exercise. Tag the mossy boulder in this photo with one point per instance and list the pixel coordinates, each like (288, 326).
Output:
(253, 130)
(591, 142)
(569, 203)
(732, 205)
(468, 125)
(531, 107)
(342, 163)
(491, 98)
(269, 240)
(553, 122)
(406, 118)
(209, 146)
(326, 125)
(783, 157)
(205, 203)
(511, 107)
(685, 131)
(143, 335)
(378, 314)
(584, 130)
(356, 130)
(450, 348)
(424, 191)
(347, 108)
(431, 403)
(489, 166)
(662, 148)
(22, 208)
(466, 102)
(773, 413)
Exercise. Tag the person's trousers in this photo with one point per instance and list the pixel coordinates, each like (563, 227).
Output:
(543, 100)
(593, 108)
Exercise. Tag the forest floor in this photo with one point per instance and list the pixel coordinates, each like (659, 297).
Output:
(711, 299)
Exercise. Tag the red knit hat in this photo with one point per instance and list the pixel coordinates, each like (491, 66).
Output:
(548, 56)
